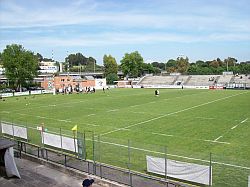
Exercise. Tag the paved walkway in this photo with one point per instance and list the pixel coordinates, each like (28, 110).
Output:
(34, 174)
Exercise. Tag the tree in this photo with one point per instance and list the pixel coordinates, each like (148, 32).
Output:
(111, 78)
(110, 65)
(214, 64)
(230, 61)
(158, 65)
(182, 64)
(20, 65)
(40, 57)
(132, 64)
(73, 61)
(171, 65)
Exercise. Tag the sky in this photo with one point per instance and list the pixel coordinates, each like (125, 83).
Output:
(158, 29)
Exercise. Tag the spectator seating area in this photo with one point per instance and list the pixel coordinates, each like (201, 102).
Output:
(157, 80)
(224, 79)
(195, 80)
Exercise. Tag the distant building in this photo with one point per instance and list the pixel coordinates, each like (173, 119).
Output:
(61, 82)
(47, 67)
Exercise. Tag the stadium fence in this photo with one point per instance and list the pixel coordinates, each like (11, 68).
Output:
(123, 161)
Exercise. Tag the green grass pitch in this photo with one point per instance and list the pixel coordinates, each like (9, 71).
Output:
(190, 123)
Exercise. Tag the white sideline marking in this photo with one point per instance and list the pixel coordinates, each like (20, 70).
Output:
(52, 105)
(234, 126)
(204, 118)
(244, 120)
(139, 112)
(152, 102)
(114, 110)
(183, 110)
(67, 121)
(162, 134)
(217, 141)
(193, 139)
(218, 138)
(91, 115)
(89, 124)
(178, 156)
(123, 129)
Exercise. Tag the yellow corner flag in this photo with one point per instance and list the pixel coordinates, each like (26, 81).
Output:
(74, 128)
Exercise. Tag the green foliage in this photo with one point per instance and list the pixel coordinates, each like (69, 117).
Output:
(158, 65)
(110, 65)
(78, 59)
(182, 64)
(131, 64)
(20, 65)
(110, 78)
(171, 65)
(149, 68)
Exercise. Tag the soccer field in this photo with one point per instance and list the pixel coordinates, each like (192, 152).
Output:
(191, 124)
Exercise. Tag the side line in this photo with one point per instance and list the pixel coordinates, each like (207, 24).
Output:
(234, 127)
(218, 138)
(192, 139)
(162, 134)
(244, 120)
(162, 116)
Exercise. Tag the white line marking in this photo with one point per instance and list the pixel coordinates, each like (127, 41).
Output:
(234, 127)
(193, 139)
(123, 129)
(89, 124)
(183, 110)
(114, 110)
(91, 115)
(204, 118)
(139, 112)
(244, 120)
(152, 102)
(52, 105)
(178, 156)
(218, 138)
(162, 134)
(63, 120)
(216, 141)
